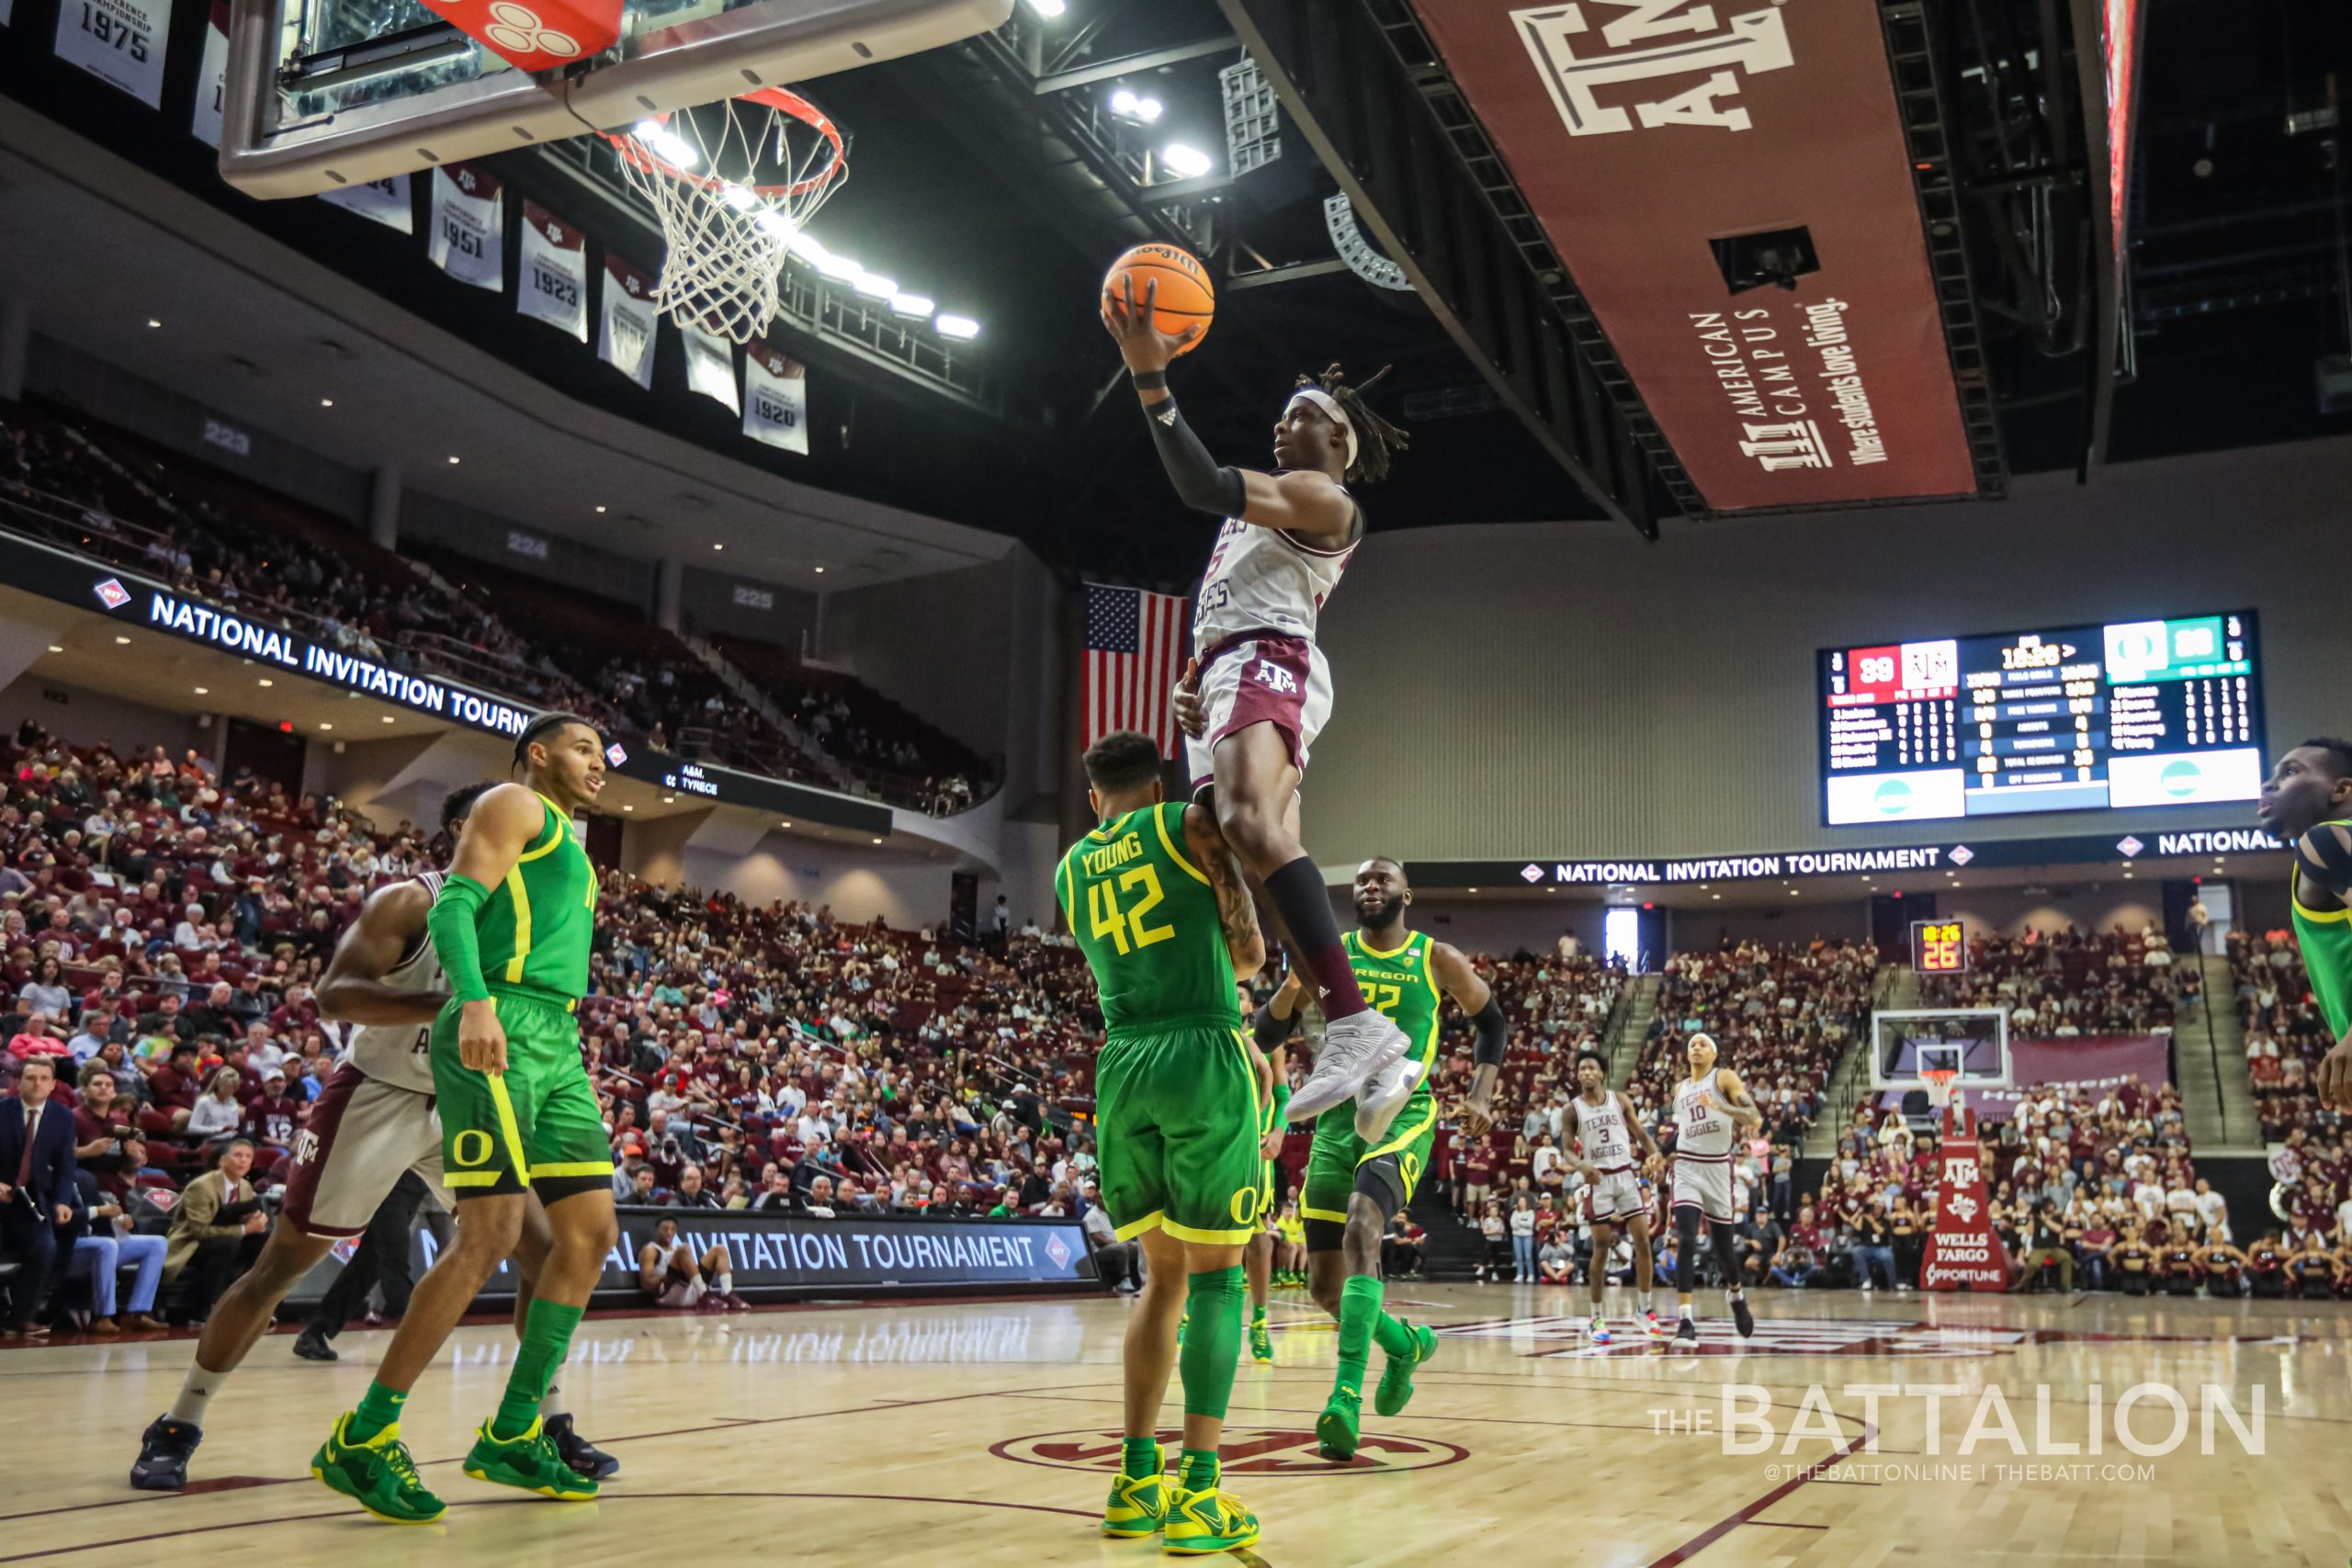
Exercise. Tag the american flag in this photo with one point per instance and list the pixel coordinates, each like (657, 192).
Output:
(1134, 651)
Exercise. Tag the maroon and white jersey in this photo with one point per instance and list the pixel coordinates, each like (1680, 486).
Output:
(1262, 580)
(1702, 1131)
(1601, 1129)
(394, 1052)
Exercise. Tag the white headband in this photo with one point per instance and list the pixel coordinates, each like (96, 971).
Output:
(1330, 406)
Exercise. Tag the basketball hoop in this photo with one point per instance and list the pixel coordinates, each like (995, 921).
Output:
(1938, 1081)
(727, 236)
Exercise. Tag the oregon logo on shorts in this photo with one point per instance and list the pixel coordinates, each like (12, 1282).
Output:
(471, 1152)
(1244, 1206)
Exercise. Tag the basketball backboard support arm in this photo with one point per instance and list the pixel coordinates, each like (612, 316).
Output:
(270, 148)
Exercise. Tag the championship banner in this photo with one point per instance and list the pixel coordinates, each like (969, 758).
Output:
(627, 324)
(1963, 1252)
(775, 399)
(554, 284)
(212, 77)
(710, 368)
(386, 201)
(1731, 191)
(468, 225)
(119, 41)
(803, 1255)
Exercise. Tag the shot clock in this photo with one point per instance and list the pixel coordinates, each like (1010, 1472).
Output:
(2063, 718)
(1939, 947)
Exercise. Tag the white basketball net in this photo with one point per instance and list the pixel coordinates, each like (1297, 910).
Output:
(726, 242)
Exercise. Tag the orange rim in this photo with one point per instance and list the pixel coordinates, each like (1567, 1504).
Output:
(776, 98)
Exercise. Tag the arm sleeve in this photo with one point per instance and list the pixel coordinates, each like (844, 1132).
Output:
(1491, 1034)
(2326, 858)
(1269, 1030)
(451, 925)
(1199, 483)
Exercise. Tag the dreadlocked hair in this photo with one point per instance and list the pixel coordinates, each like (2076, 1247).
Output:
(1376, 439)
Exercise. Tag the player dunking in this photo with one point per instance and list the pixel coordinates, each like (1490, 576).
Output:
(511, 928)
(1262, 681)
(1361, 1171)
(1161, 912)
(2308, 799)
(1602, 1122)
(373, 1121)
(1707, 1105)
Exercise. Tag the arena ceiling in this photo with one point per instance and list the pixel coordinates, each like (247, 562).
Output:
(996, 172)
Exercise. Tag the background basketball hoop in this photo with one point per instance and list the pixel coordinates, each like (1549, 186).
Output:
(1938, 1081)
(734, 184)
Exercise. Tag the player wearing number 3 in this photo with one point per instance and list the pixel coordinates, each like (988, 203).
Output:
(1258, 675)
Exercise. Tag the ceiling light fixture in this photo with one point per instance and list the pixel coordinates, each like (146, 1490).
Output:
(839, 268)
(875, 286)
(600, 511)
(1048, 10)
(267, 682)
(122, 642)
(957, 326)
(452, 462)
(326, 727)
(1189, 162)
(388, 718)
(154, 322)
(59, 648)
(204, 691)
(820, 571)
(916, 305)
(326, 403)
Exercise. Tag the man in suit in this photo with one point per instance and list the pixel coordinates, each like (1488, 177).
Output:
(36, 1189)
(217, 1231)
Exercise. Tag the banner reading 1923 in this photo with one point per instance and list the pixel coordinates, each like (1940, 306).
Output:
(119, 41)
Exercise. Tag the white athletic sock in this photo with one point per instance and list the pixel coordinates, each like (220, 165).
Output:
(1731, 1293)
(551, 1403)
(1686, 1309)
(1646, 1300)
(727, 1284)
(196, 1394)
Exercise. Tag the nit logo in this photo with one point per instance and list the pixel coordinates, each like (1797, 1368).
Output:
(2130, 846)
(1058, 1250)
(112, 594)
(1893, 798)
(614, 755)
(1531, 873)
(1961, 854)
(2180, 778)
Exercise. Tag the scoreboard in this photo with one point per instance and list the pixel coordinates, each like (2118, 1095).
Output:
(1939, 947)
(2060, 719)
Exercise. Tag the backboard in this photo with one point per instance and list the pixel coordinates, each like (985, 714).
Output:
(324, 94)
(1974, 1040)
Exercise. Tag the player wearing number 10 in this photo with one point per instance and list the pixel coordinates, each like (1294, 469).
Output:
(1161, 912)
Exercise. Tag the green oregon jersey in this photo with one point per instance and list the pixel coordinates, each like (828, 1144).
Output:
(1146, 919)
(2325, 937)
(534, 929)
(1401, 986)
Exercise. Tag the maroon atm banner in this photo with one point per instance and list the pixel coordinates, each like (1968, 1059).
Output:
(1644, 133)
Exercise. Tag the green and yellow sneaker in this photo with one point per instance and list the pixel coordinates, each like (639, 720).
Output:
(1262, 1341)
(377, 1474)
(1336, 1429)
(1137, 1505)
(1395, 1390)
(529, 1462)
(1204, 1521)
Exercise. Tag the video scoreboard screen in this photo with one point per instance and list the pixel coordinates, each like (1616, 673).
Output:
(1939, 947)
(2063, 718)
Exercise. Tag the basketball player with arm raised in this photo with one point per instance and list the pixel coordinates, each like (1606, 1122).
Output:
(1711, 1106)
(373, 1121)
(1161, 914)
(512, 926)
(1263, 682)
(1359, 1173)
(2307, 800)
(1602, 1123)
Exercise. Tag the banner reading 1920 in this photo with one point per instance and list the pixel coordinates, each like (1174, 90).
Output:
(1730, 188)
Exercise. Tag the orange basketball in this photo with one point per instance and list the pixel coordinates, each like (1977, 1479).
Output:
(1185, 297)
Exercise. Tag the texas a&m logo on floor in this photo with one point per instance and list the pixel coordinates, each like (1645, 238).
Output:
(1246, 1451)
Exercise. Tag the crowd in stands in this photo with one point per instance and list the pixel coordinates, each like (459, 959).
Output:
(2058, 986)
(2285, 1034)
(162, 929)
(105, 494)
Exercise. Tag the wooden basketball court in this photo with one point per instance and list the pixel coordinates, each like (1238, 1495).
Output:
(979, 1434)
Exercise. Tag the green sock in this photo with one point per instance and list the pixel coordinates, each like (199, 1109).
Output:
(380, 1407)
(1360, 1317)
(547, 1335)
(1140, 1457)
(1198, 1470)
(1213, 1301)
(1394, 1336)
